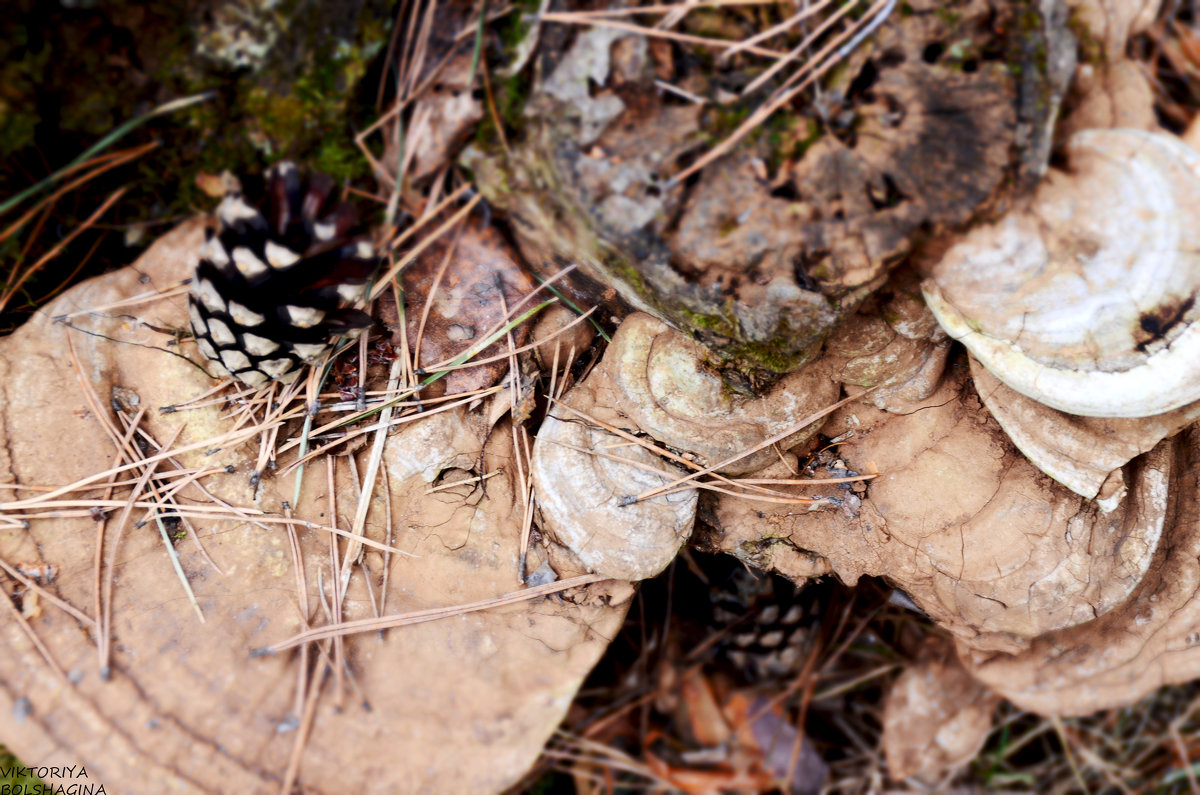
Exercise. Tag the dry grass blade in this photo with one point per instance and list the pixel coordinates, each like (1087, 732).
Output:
(589, 752)
(660, 451)
(105, 616)
(819, 64)
(449, 365)
(232, 437)
(382, 283)
(34, 638)
(159, 501)
(463, 482)
(58, 247)
(432, 614)
(459, 400)
(798, 51)
(302, 732)
(780, 498)
(682, 38)
(104, 143)
(100, 164)
(373, 465)
(61, 604)
(752, 484)
(779, 437)
(671, 8)
(125, 303)
(801, 15)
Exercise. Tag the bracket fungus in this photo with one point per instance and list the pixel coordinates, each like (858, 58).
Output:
(653, 381)
(989, 547)
(671, 390)
(1071, 588)
(1086, 300)
(586, 479)
(585, 499)
(893, 346)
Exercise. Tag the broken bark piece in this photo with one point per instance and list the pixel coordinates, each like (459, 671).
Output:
(757, 270)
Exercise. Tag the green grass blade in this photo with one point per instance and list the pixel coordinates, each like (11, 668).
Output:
(104, 143)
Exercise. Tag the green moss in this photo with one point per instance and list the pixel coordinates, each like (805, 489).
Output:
(12, 782)
(1090, 49)
(724, 119)
(311, 114)
(20, 76)
(760, 361)
(510, 95)
(790, 138)
(717, 325)
(1028, 46)
(624, 272)
(516, 26)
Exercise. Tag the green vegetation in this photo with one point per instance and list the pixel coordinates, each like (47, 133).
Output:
(10, 764)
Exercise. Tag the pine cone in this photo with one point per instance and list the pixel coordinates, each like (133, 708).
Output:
(273, 294)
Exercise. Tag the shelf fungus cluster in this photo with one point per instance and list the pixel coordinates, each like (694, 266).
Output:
(1083, 305)
(655, 384)
(1039, 501)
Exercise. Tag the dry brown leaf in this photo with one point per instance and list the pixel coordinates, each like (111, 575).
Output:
(462, 704)
(481, 283)
(936, 716)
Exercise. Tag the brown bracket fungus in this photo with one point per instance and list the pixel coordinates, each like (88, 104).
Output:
(1085, 454)
(183, 703)
(654, 381)
(988, 546)
(672, 392)
(936, 717)
(893, 346)
(1148, 641)
(585, 497)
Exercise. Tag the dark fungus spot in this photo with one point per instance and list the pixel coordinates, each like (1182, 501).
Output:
(1157, 323)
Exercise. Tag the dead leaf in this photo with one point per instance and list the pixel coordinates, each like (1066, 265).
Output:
(462, 704)
(481, 282)
(936, 716)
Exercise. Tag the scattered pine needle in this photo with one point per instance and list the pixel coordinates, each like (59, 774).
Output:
(432, 614)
